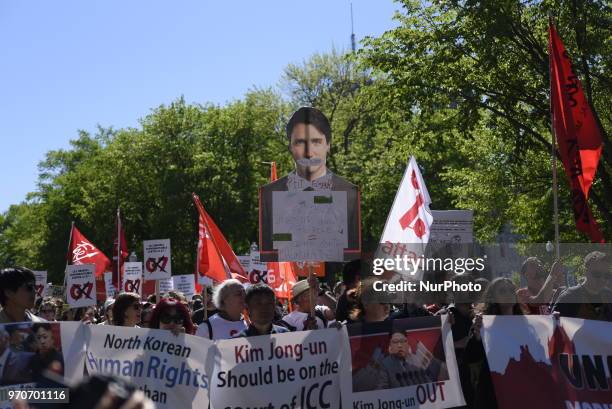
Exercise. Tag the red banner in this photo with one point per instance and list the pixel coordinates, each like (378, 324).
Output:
(578, 136)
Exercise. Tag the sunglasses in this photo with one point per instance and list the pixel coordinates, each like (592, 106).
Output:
(47, 310)
(167, 319)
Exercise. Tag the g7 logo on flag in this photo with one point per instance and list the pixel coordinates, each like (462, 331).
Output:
(77, 291)
(413, 213)
(39, 289)
(257, 276)
(132, 286)
(160, 265)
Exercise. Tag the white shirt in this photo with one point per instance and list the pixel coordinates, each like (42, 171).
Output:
(221, 328)
(296, 319)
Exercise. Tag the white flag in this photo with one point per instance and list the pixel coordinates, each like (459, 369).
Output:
(410, 219)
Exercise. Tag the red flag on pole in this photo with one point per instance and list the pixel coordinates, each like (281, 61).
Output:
(82, 251)
(120, 251)
(215, 258)
(576, 131)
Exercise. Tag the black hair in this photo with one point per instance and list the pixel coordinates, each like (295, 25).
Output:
(12, 278)
(120, 306)
(259, 289)
(39, 325)
(310, 116)
(350, 271)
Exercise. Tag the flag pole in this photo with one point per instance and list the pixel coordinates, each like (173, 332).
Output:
(68, 254)
(554, 143)
(118, 249)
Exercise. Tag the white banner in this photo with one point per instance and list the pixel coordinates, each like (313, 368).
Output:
(169, 369)
(537, 361)
(111, 292)
(81, 285)
(58, 347)
(132, 277)
(290, 370)
(185, 283)
(401, 364)
(158, 262)
(41, 283)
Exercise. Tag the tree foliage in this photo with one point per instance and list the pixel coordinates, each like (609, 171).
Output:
(462, 85)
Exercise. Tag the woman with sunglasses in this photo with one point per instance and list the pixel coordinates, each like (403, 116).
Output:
(17, 295)
(126, 310)
(499, 299)
(172, 315)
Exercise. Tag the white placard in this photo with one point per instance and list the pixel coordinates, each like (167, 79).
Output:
(111, 291)
(81, 285)
(132, 277)
(310, 225)
(41, 283)
(166, 285)
(185, 283)
(168, 368)
(157, 259)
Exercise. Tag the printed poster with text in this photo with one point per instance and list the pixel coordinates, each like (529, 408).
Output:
(401, 364)
(169, 369)
(158, 261)
(80, 285)
(289, 370)
(537, 361)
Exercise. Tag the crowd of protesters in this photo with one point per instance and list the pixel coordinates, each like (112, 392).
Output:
(230, 310)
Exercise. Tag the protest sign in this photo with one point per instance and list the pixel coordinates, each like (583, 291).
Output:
(401, 364)
(41, 283)
(111, 292)
(158, 263)
(452, 226)
(185, 283)
(81, 285)
(169, 369)
(537, 361)
(59, 348)
(250, 372)
(166, 285)
(132, 277)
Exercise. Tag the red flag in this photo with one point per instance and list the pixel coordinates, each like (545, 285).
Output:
(273, 176)
(578, 136)
(119, 248)
(215, 258)
(82, 251)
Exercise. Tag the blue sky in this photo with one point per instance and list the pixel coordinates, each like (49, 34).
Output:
(69, 65)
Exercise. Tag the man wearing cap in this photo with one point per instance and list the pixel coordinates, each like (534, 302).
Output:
(300, 317)
(309, 137)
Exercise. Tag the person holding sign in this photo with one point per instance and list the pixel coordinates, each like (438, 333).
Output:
(261, 303)
(126, 310)
(300, 319)
(229, 299)
(17, 295)
(172, 315)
